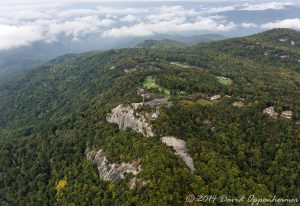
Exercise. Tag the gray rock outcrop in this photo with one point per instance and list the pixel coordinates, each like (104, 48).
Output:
(137, 182)
(111, 171)
(180, 150)
(125, 117)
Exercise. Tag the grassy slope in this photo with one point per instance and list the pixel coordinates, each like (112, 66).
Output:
(150, 83)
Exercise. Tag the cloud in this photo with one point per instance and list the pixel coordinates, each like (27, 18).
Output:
(129, 18)
(214, 10)
(23, 24)
(249, 25)
(286, 23)
(170, 26)
(165, 20)
(247, 7)
(171, 13)
(16, 36)
(266, 6)
(123, 11)
(38, 20)
(81, 26)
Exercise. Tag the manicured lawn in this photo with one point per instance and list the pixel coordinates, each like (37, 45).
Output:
(204, 102)
(149, 83)
(225, 81)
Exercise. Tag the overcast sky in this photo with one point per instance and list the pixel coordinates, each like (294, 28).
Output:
(23, 22)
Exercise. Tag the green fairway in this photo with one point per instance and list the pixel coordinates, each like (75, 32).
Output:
(204, 102)
(150, 83)
(224, 81)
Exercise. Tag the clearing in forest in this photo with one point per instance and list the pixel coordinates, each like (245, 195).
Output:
(225, 81)
(181, 65)
(149, 83)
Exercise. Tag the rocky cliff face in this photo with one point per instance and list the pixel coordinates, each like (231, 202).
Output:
(180, 150)
(111, 171)
(124, 116)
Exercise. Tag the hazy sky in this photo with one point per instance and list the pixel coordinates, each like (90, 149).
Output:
(25, 22)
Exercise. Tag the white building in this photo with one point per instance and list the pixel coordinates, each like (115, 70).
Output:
(271, 112)
(215, 97)
(287, 114)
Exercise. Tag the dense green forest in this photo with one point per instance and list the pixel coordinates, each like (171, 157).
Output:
(163, 44)
(49, 116)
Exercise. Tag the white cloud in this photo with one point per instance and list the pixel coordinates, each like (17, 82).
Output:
(266, 6)
(173, 13)
(123, 11)
(16, 36)
(171, 26)
(81, 26)
(136, 30)
(249, 25)
(38, 20)
(286, 23)
(129, 18)
(23, 24)
(214, 10)
(71, 13)
(247, 7)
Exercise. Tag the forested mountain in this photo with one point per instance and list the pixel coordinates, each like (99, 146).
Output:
(215, 97)
(19, 60)
(186, 40)
(199, 38)
(163, 44)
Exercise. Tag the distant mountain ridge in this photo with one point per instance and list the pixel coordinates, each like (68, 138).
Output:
(163, 44)
(199, 38)
(16, 61)
(176, 42)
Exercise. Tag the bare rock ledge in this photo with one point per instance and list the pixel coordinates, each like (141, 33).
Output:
(110, 171)
(180, 150)
(124, 116)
